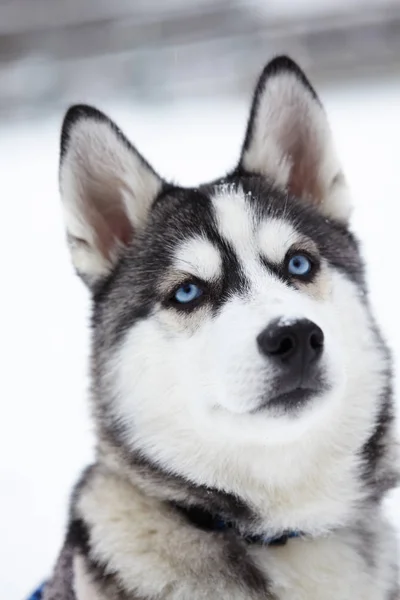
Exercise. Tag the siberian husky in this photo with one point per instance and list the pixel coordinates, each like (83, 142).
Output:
(241, 389)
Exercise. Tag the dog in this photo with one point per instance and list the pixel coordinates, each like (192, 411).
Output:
(241, 388)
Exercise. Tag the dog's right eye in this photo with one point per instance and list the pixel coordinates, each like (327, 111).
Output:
(187, 295)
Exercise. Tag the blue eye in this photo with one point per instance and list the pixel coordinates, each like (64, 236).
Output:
(299, 265)
(187, 293)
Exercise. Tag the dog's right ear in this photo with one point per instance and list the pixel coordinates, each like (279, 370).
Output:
(107, 189)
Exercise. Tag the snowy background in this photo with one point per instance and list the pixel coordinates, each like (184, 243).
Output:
(45, 433)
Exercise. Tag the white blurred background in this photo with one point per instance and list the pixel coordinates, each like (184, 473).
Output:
(177, 77)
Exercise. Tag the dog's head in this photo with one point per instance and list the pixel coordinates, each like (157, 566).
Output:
(232, 334)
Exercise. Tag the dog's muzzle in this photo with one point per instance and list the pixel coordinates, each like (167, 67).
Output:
(295, 348)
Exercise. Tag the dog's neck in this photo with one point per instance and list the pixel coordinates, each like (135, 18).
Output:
(249, 519)
(174, 490)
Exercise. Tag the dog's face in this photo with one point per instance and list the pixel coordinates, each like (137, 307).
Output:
(231, 317)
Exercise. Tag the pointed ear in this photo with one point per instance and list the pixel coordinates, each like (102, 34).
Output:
(288, 140)
(107, 189)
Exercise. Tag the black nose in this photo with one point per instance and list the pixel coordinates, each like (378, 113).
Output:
(296, 344)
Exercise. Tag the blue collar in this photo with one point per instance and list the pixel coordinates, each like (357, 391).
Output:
(208, 522)
(37, 594)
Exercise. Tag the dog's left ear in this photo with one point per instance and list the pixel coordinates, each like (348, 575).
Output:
(288, 139)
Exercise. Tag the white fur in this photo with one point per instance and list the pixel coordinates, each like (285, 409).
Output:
(198, 257)
(290, 128)
(332, 567)
(275, 238)
(236, 221)
(83, 584)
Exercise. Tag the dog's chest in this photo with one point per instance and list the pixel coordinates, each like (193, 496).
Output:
(325, 569)
(330, 568)
(319, 570)
(149, 549)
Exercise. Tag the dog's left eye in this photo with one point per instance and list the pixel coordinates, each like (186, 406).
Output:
(299, 265)
(187, 293)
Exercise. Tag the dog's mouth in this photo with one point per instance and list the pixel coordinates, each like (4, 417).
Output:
(291, 400)
(294, 399)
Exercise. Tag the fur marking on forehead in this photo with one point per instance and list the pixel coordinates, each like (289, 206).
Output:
(238, 224)
(235, 217)
(199, 257)
(275, 238)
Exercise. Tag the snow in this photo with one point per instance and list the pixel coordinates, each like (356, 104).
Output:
(45, 432)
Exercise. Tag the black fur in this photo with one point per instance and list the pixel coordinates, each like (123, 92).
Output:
(380, 478)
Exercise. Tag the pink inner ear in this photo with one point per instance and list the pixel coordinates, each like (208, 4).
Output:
(303, 180)
(121, 228)
(110, 225)
(302, 148)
